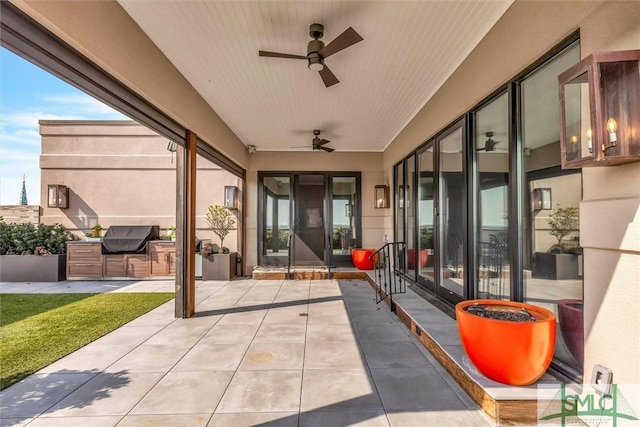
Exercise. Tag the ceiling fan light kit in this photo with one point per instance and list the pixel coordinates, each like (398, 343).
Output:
(317, 52)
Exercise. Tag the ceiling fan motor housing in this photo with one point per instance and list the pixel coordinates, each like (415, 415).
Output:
(316, 31)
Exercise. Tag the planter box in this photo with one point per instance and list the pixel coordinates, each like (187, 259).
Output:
(510, 352)
(555, 266)
(219, 266)
(33, 268)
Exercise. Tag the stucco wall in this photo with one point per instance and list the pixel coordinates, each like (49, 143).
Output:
(120, 173)
(610, 226)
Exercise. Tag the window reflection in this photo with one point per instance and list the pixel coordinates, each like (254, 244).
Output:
(492, 153)
(553, 275)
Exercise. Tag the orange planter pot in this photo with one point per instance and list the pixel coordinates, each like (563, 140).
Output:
(361, 259)
(515, 353)
(411, 263)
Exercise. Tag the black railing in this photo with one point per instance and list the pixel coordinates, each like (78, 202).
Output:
(494, 262)
(289, 257)
(390, 269)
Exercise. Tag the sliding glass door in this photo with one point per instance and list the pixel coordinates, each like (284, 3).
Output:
(451, 214)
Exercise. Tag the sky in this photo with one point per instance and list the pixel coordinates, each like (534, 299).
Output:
(29, 94)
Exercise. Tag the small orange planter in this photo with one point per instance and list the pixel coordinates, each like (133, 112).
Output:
(515, 353)
(361, 259)
(411, 263)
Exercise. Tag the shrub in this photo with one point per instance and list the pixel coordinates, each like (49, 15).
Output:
(27, 239)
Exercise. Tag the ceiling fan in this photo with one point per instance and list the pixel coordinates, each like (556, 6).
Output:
(317, 52)
(318, 143)
(489, 144)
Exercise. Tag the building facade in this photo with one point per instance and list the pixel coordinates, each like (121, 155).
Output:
(121, 173)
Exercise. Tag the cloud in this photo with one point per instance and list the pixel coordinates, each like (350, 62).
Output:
(21, 137)
(84, 105)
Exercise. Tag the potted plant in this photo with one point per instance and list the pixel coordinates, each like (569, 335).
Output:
(96, 229)
(509, 342)
(171, 232)
(559, 262)
(218, 262)
(31, 253)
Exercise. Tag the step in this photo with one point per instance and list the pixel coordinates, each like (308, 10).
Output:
(306, 273)
(506, 405)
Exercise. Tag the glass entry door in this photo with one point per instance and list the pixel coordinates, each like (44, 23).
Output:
(309, 241)
(308, 219)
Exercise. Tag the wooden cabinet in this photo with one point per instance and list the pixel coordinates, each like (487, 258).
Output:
(162, 259)
(84, 261)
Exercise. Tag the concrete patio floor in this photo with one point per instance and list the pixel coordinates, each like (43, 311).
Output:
(265, 353)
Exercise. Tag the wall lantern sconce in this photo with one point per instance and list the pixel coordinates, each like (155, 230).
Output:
(541, 199)
(58, 196)
(231, 196)
(381, 196)
(600, 110)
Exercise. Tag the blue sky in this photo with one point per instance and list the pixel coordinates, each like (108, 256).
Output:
(29, 94)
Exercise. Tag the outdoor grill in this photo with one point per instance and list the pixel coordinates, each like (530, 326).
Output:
(128, 239)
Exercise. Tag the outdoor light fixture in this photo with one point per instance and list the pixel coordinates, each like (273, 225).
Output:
(231, 196)
(58, 196)
(541, 199)
(172, 147)
(600, 110)
(381, 196)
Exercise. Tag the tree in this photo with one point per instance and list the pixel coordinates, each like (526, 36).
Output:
(562, 222)
(221, 221)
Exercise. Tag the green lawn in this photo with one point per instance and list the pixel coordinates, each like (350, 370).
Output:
(38, 329)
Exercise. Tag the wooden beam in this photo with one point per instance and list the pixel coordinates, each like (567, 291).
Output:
(186, 228)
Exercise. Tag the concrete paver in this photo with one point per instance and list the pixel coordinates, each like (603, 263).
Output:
(276, 353)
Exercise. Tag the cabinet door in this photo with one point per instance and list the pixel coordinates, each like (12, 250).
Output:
(84, 260)
(114, 266)
(136, 265)
(162, 258)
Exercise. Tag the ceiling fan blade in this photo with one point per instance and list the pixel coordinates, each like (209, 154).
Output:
(323, 141)
(348, 38)
(327, 149)
(280, 55)
(328, 77)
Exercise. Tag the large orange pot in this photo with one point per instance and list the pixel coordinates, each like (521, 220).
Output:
(515, 353)
(361, 259)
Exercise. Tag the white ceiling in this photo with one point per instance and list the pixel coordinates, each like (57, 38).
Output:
(410, 48)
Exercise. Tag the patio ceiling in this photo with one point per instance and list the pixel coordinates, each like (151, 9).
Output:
(409, 50)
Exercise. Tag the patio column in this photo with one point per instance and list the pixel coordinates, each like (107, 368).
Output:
(186, 227)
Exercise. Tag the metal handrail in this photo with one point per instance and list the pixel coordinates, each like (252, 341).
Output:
(289, 257)
(390, 269)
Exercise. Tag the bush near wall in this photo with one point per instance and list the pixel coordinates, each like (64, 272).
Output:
(27, 239)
